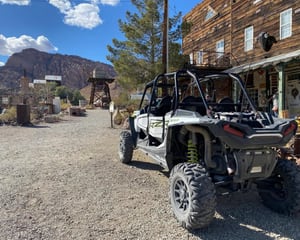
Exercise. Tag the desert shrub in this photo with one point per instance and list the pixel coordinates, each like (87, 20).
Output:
(64, 105)
(124, 101)
(76, 97)
(10, 115)
(89, 106)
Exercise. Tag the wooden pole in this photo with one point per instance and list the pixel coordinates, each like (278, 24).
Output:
(165, 37)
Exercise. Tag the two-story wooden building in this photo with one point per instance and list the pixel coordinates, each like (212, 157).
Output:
(260, 40)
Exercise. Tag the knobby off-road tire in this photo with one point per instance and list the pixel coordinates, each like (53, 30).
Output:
(125, 147)
(281, 191)
(192, 195)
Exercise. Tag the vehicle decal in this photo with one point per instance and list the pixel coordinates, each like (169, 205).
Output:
(158, 123)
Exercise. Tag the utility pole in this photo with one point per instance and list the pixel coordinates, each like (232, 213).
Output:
(165, 50)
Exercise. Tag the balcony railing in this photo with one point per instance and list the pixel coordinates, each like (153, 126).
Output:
(213, 59)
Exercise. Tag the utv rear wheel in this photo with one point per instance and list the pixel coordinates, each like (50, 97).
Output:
(192, 195)
(281, 191)
(126, 147)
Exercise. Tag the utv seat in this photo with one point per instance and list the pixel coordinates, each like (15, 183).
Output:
(226, 104)
(163, 106)
(193, 104)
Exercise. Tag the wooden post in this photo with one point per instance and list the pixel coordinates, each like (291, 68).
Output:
(165, 38)
(281, 89)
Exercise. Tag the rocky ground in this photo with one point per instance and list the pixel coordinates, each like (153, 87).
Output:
(64, 181)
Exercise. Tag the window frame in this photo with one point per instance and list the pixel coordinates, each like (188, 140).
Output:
(248, 40)
(191, 56)
(200, 57)
(211, 13)
(286, 26)
(218, 52)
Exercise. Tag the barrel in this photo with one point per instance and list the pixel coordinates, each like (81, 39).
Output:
(82, 103)
(56, 105)
(23, 114)
(297, 144)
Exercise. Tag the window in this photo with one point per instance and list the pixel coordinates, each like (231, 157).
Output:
(210, 13)
(286, 24)
(220, 48)
(256, 2)
(191, 58)
(248, 38)
(200, 57)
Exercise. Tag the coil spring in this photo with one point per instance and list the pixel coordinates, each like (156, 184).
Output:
(192, 153)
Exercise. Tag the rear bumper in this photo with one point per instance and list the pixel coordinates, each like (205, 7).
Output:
(239, 136)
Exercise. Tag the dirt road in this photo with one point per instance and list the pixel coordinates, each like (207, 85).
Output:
(64, 181)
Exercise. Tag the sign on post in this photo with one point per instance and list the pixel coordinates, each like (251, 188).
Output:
(111, 110)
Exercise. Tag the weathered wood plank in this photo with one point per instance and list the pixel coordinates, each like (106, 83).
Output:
(230, 21)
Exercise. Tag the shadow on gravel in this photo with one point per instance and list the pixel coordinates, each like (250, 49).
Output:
(36, 126)
(243, 216)
(146, 165)
(149, 166)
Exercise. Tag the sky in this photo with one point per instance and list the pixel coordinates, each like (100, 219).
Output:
(71, 27)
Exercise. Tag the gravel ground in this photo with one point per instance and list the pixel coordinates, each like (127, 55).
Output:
(64, 181)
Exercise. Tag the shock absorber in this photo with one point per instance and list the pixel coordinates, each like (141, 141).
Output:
(192, 153)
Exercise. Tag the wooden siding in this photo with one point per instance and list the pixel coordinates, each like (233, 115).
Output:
(205, 34)
(232, 17)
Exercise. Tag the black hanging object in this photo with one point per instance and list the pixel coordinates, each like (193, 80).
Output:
(266, 41)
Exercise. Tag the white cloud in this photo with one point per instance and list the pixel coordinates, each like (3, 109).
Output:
(10, 45)
(85, 15)
(17, 2)
(2, 64)
(108, 2)
(63, 5)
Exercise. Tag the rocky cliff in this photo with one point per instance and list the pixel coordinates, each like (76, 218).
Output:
(35, 64)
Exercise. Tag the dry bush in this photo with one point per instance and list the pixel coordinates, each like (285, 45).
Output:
(64, 106)
(10, 115)
(90, 106)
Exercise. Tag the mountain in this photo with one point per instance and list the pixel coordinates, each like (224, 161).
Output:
(35, 64)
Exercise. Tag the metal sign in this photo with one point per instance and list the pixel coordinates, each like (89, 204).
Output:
(111, 107)
(53, 77)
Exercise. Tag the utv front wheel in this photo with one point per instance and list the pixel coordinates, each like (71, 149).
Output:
(281, 191)
(125, 147)
(192, 195)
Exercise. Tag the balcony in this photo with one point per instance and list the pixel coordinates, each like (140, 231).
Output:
(212, 59)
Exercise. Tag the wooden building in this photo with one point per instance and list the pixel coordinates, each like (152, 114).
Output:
(257, 39)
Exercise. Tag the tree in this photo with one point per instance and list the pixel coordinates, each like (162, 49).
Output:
(76, 97)
(138, 59)
(62, 92)
(72, 95)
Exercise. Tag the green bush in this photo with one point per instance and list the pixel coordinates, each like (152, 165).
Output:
(72, 95)
(76, 97)
(124, 101)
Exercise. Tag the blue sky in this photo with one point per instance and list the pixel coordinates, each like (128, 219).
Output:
(73, 27)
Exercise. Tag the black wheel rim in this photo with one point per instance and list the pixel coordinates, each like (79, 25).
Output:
(122, 148)
(181, 195)
(276, 187)
(279, 187)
